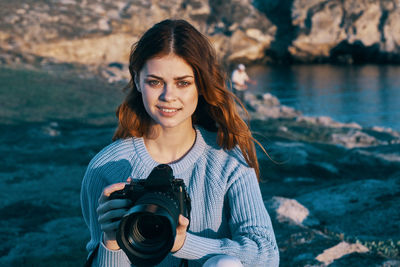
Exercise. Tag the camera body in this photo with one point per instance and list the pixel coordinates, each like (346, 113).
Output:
(160, 181)
(147, 231)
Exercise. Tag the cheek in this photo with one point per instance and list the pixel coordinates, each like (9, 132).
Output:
(194, 99)
(147, 100)
(148, 96)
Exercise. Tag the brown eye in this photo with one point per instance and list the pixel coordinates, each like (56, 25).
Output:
(184, 83)
(153, 83)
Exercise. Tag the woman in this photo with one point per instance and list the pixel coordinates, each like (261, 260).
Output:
(179, 112)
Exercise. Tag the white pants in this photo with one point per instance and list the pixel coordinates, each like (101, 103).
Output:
(223, 261)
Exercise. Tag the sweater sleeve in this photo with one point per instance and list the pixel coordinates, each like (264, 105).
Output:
(253, 240)
(92, 187)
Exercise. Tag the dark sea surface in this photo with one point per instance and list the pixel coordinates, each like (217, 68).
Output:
(368, 95)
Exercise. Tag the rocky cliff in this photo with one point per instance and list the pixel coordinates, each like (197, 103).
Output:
(99, 32)
(346, 31)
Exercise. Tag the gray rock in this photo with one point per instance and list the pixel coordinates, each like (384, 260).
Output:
(340, 29)
(340, 250)
(292, 124)
(338, 206)
(115, 74)
(289, 210)
(364, 259)
(55, 238)
(354, 139)
(266, 106)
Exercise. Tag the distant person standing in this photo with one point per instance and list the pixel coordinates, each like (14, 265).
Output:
(240, 80)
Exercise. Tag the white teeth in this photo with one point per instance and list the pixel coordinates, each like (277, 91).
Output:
(167, 110)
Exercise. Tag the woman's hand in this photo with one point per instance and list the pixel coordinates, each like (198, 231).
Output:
(110, 213)
(180, 233)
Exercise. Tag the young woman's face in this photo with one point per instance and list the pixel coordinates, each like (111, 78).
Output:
(169, 91)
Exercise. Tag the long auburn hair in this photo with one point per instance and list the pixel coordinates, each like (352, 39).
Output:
(216, 109)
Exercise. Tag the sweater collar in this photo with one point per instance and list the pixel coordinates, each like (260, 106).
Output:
(179, 166)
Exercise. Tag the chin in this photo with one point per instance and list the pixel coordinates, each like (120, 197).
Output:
(173, 124)
(165, 124)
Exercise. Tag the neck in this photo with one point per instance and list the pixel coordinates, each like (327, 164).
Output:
(169, 145)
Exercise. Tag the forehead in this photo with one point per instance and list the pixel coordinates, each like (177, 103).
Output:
(168, 65)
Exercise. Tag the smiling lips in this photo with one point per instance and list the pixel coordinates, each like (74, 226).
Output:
(166, 111)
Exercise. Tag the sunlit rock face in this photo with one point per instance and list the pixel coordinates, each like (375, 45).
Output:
(240, 32)
(94, 32)
(345, 31)
(98, 32)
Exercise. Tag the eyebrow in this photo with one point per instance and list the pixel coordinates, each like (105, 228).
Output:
(176, 78)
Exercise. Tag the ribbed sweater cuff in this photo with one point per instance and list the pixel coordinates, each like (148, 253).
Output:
(107, 257)
(196, 247)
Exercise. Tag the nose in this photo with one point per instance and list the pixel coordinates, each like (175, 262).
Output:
(169, 93)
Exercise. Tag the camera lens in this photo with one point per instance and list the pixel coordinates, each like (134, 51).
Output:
(149, 229)
(147, 232)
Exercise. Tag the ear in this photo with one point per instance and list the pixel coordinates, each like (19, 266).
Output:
(136, 81)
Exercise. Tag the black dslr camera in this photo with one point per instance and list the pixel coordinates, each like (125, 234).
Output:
(147, 231)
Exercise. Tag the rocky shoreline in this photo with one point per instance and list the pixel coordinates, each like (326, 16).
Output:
(332, 189)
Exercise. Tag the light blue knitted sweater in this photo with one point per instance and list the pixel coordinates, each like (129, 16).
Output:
(228, 214)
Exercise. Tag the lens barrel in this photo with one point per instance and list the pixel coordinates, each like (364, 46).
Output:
(147, 232)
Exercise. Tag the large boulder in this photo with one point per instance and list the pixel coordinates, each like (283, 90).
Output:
(290, 210)
(338, 251)
(264, 106)
(346, 31)
(241, 30)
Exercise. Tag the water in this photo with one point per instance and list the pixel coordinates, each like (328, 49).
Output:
(368, 95)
